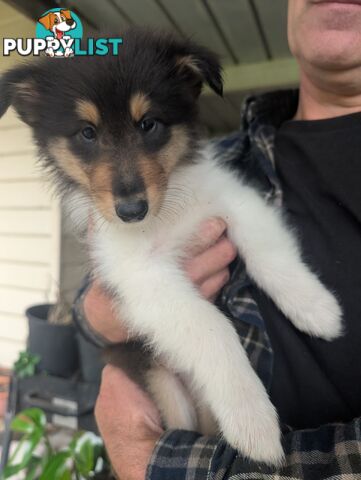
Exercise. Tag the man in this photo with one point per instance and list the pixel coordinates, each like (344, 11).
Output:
(304, 151)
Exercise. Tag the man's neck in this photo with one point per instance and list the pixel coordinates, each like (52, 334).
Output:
(320, 100)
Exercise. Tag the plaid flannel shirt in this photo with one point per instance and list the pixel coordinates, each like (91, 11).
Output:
(329, 452)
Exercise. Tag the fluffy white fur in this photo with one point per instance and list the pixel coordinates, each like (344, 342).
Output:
(141, 263)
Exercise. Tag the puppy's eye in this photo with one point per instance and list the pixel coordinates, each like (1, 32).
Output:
(89, 133)
(63, 18)
(149, 125)
(56, 21)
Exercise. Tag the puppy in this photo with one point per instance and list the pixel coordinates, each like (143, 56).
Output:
(124, 149)
(58, 23)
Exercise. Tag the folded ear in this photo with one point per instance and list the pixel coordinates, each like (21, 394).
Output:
(66, 13)
(17, 89)
(46, 20)
(204, 64)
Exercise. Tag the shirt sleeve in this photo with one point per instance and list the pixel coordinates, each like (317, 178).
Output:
(80, 319)
(329, 452)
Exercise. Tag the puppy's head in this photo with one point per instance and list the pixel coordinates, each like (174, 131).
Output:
(116, 127)
(58, 22)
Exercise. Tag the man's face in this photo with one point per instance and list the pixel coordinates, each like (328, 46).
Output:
(325, 34)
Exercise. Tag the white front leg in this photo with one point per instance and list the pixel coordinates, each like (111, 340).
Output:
(273, 260)
(69, 52)
(50, 52)
(194, 337)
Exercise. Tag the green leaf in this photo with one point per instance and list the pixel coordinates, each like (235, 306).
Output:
(74, 442)
(84, 458)
(15, 453)
(56, 467)
(33, 468)
(30, 443)
(11, 470)
(36, 415)
(25, 365)
(67, 475)
(86, 448)
(22, 424)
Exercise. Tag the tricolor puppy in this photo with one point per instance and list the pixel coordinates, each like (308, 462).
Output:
(58, 23)
(120, 137)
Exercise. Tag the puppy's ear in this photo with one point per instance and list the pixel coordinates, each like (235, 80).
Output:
(204, 65)
(46, 20)
(18, 89)
(66, 13)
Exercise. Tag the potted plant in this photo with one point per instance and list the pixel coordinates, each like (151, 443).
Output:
(83, 458)
(52, 338)
(25, 365)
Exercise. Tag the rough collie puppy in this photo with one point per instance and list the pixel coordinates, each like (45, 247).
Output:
(120, 137)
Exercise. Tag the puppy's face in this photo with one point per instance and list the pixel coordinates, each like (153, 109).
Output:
(58, 22)
(116, 127)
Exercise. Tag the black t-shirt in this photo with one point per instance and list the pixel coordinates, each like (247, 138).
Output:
(319, 166)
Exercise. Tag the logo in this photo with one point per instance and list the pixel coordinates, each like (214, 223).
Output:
(59, 34)
(59, 28)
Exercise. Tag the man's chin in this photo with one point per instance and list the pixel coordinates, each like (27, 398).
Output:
(332, 50)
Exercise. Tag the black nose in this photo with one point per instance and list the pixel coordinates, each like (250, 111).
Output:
(70, 22)
(132, 211)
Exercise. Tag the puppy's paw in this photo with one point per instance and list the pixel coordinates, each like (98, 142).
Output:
(320, 315)
(69, 52)
(256, 433)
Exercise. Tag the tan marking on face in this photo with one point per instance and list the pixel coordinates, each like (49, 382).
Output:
(96, 180)
(88, 111)
(175, 150)
(69, 163)
(101, 189)
(155, 181)
(155, 170)
(188, 61)
(139, 105)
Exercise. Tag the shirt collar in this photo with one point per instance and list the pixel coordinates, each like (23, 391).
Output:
(271, 108)
(261, 116)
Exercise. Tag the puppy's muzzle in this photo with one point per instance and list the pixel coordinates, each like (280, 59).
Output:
(131, 211)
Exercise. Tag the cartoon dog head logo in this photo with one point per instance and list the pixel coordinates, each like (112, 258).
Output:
(58, 22)
(59, 27)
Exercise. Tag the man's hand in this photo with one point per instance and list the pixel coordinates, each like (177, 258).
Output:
(129, 424)
(209, 255)
(100, 316)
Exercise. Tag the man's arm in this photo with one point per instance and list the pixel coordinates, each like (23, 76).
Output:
(139, 449)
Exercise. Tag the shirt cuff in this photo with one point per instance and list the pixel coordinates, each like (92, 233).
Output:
(81, 321)
(181, 455)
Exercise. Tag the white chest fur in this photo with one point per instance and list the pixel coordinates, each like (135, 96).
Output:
(141, 264)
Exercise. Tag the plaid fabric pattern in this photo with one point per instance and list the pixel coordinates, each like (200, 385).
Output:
(330, 452)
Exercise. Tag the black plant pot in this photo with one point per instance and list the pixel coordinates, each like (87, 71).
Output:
(91, 363)
(55, 344)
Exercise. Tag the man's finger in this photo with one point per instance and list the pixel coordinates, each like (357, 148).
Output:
(210, 262)
(209, 233)
(120, 393)
(211, 287)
